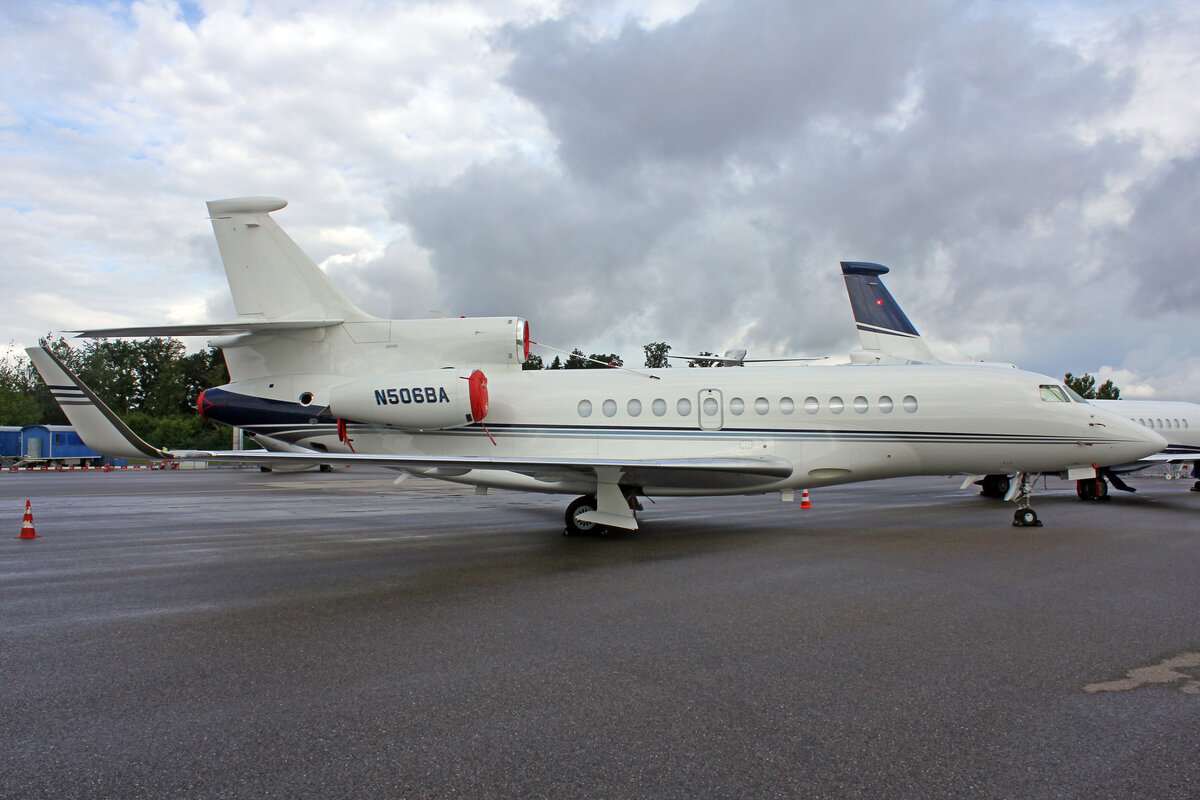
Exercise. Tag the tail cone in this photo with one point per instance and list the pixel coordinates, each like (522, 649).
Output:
(27, 531)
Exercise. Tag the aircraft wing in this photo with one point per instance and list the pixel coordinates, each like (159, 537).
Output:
(104, 432)
(207, 328)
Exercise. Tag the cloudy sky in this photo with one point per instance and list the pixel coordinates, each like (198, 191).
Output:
(623, 172)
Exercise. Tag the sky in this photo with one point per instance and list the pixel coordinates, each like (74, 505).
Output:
(623, 172)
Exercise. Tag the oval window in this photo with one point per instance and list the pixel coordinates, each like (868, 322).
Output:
(885, 404)
(585, 408)
(711, 406)
(786, 405)
(609, 408)
(836, 404)
(737, 406)
(684, 407)
(761, 406)
(910, 404)
(659, 406)
(860, 404)
(812, 405)
(634, 407)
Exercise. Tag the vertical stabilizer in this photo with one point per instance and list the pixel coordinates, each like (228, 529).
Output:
(883, 329)
(269, 275)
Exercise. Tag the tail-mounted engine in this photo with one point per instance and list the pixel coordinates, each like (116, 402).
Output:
(422, 401)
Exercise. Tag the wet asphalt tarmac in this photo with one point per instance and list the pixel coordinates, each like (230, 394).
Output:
(229, 633)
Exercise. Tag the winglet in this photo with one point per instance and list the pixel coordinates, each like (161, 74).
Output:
(95, 423)
(883, 327)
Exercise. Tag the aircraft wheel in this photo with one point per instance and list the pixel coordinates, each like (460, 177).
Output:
(995, 486)
(1026, 518)
(264, 469)
(1196, 486)
(326, 468)
(1086, 489)
(580, 505)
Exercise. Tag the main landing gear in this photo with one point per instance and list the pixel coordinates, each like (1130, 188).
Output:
(994, 486)
(582, 505)
(1025, 517)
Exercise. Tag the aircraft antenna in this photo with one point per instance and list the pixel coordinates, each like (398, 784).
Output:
(596, 360)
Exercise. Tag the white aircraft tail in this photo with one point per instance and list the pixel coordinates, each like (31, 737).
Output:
(269, 275)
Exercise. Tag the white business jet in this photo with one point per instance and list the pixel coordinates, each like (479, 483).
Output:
(317, 380)
(886, 336)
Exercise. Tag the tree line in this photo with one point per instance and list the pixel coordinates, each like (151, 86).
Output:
(152, 384)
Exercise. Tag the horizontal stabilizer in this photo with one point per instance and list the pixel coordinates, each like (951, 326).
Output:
(207, 328)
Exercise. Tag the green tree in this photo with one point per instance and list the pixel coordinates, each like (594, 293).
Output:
(533, 362)
(704, 362)
(556, 363)
(656, 355)
(577, 360)
(1085, 386)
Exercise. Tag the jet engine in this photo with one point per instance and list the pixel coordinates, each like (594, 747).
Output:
(421, 401)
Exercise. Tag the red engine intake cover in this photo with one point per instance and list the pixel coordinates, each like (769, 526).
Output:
(477, 386)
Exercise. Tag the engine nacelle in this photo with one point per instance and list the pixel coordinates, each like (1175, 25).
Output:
(421, 401)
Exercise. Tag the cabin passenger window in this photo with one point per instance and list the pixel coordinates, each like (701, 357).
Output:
(659, 406)
(684, 407)
(761, 406)
(786, 405)
(585, 408)
(1053, 394)
(737, 406)
(836, 404)
(910, 404)
(812, 405)
(634, 408)
(711, 407)
(609, 408)
(860, 404)
(885, 404)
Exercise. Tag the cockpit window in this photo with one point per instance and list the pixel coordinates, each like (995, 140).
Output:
(1054, 394)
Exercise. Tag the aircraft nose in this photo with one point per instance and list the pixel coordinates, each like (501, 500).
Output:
(1143, 441)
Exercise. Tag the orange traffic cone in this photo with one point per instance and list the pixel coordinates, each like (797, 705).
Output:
(27, 531)
(804, 500)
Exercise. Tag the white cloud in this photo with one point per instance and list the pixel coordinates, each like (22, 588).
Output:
(625, 172)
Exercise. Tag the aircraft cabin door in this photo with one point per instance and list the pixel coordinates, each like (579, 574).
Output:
(711, 408)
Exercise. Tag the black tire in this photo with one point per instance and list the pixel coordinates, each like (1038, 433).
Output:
(326, 468)
(1086, 489)
(995, 486)
(264, 469)
(577, 527)
(1025, 518)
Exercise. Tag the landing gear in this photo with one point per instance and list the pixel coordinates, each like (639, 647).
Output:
(1092, 489)
(576, 526)
(1025, 517)
(994, 486)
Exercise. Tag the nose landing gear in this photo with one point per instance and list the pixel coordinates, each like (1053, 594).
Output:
(1025, 517)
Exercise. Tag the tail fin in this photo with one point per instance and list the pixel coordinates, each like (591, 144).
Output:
(883, 329)
(269, 275)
